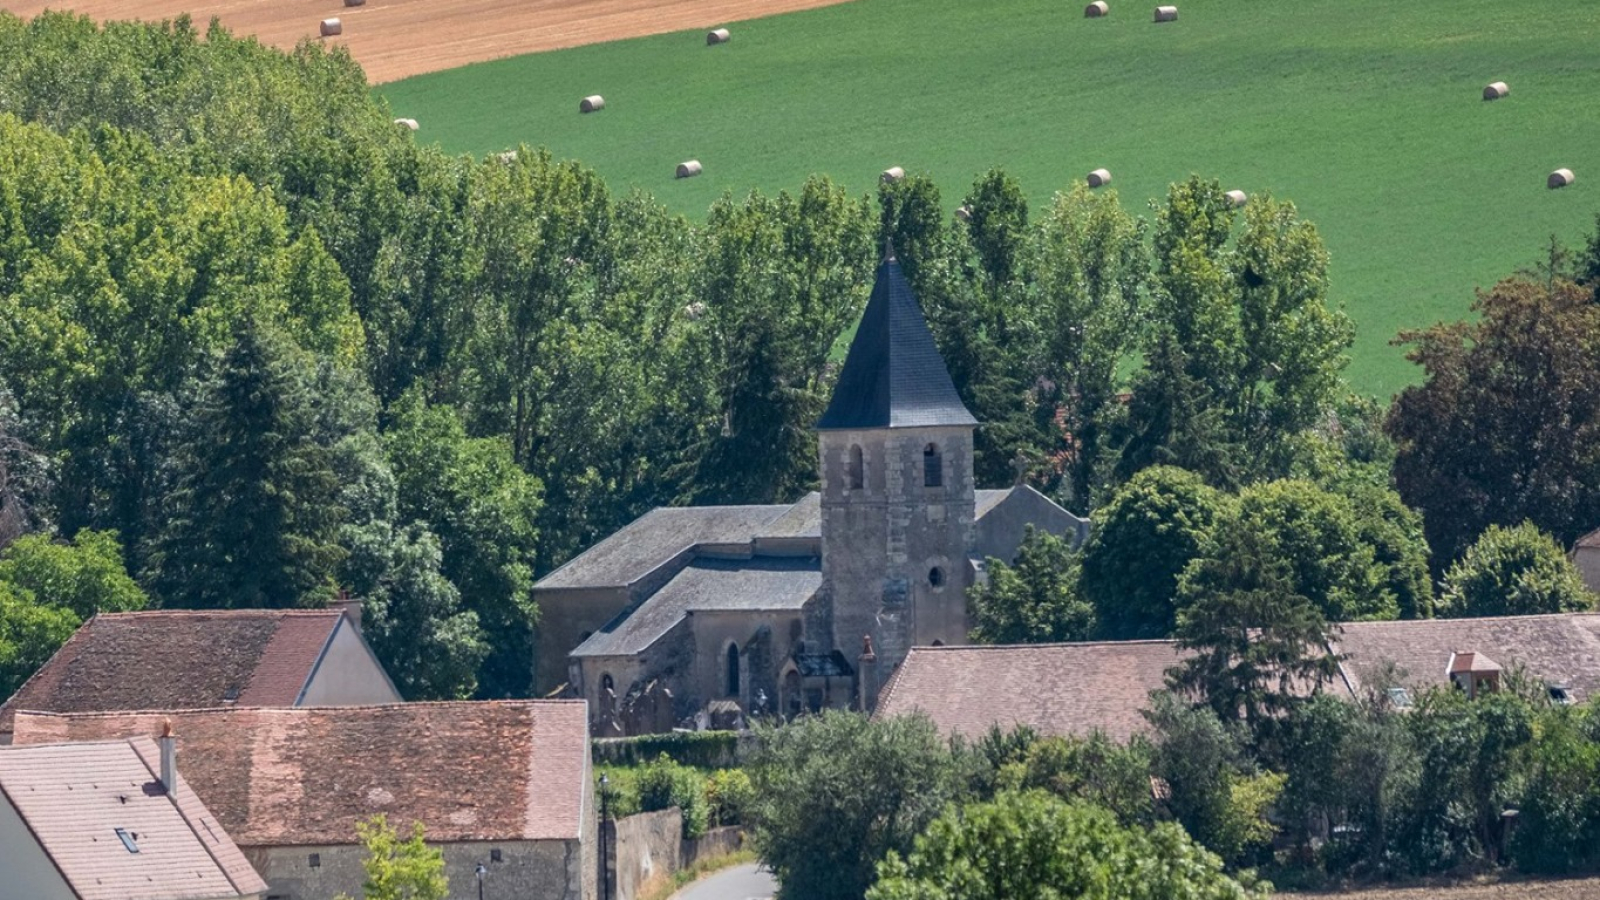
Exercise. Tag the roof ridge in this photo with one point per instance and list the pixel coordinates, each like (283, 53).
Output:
(1050, 645)
(300, 710)
(1571, 614)
(222, 613)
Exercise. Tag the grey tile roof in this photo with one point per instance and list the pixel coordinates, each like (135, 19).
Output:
(986, 500)
(762, 583)
(803, 520)
(1560, 649)
(656, 537)
(894, 376)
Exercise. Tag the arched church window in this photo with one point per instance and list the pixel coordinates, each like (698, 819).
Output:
(733, 670)
(936, 576)
(607, 685)
(858, 468)
(932, 467)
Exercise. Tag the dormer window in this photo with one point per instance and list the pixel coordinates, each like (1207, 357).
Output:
(932, 467)
(857, 468)
(1560, 695)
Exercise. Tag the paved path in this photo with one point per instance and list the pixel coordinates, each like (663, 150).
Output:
(746, 882)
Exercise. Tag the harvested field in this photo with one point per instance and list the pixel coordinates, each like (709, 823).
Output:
(1575, 889)
(394, 39)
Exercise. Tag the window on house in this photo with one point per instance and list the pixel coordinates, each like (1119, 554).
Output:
(1559, 695)
(733, 670)
(936, 576)
(1399, 697)
(607, 685)
(932, 467)
(858, 468)
(315, 860)
(128, 840)
(494, 855)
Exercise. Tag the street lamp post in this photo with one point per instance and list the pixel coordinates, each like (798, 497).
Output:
(605, 813)
(481, 871)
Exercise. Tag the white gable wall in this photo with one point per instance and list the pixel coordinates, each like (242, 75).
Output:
(348, 674)
(25, 869)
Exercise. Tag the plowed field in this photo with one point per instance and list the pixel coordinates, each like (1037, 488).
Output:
(393, 39)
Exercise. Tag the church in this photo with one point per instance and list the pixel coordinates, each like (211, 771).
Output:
(704, 616)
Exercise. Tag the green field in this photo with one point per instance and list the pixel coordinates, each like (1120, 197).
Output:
(1367, 114)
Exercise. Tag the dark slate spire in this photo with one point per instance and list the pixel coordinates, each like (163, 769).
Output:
(894, 376)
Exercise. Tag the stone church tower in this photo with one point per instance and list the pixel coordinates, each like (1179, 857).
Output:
(897, 493)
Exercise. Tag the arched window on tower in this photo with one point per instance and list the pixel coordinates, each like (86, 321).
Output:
(733, 670)
(932, 467)
(858, 468)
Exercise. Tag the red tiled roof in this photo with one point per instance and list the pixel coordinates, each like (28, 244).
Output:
(502, 770)
(75, 796)
(1561, 648)
(1054, 688)
(178, 659)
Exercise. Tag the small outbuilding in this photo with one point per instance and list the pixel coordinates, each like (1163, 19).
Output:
(1099, 178)
(1496, 90)
(1560, 178)
(591, 103)
(331, 27)
(689, 168)
(892, 174)
(1096, 9)
(718, 36)
(1166, 14)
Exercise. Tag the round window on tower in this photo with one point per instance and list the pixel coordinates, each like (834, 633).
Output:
(936, 576)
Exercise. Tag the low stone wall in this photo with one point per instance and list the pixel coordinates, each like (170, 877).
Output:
(715, 842)
(648, 848)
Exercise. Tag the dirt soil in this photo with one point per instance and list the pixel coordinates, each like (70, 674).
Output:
(1574, 889)
(393, 39)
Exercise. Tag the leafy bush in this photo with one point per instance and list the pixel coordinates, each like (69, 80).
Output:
(664, 784)
(701, 749)
(730, 796)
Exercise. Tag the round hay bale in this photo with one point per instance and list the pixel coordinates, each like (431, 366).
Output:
(689, 168)
(331, 27)
(591, 103)
(1496, 91)
(1096, 9)
(1099, 178)
(407, 123)
(892, 174)
(719, 36)
(964, 213)
(1237, 198)
(1166, 14)
(1560, 178)
(355, 3)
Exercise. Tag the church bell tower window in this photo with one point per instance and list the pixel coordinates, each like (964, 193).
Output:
(932, 467)
(857, 468)
(733, 670)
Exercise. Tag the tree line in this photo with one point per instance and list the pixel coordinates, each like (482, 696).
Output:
(263, 347)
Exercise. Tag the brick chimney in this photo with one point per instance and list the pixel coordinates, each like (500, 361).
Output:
(350, 608)
(169, 758)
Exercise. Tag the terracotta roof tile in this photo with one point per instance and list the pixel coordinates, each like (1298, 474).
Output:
(74, 797)
(503, 770)
(1557, 649)
(171, 659)
(1054, 688)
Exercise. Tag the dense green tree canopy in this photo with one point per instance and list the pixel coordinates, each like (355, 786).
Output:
(1035, 845)
(1506, 425)
(1033, 600)
(836, 792)
(1513, 572)
(85, 575)
(1140, 543)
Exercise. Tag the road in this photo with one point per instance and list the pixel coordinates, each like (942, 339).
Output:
(746, 882)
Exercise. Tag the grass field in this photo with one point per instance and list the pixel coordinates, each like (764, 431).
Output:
(1366, 113)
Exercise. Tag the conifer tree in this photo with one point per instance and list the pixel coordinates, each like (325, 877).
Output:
(253, 519)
